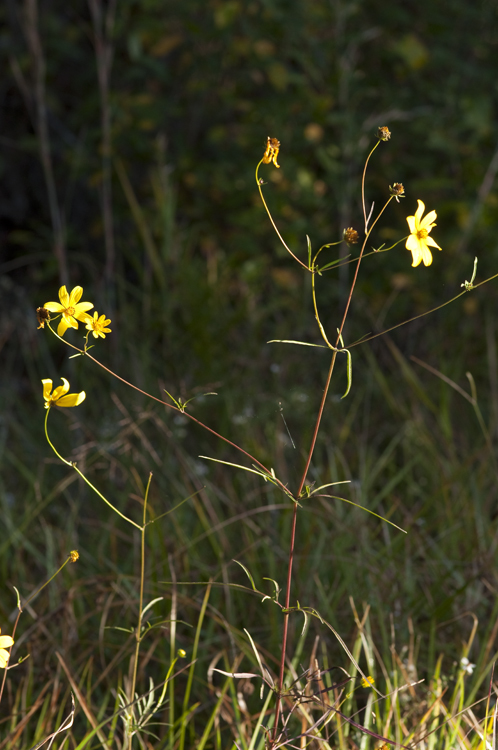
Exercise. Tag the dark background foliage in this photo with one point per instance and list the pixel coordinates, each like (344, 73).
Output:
(139, 186)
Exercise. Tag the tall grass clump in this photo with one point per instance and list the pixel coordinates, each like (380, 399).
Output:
(276, 587)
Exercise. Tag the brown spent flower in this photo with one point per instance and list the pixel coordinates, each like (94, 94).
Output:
(271, 153)
(350, 236)
(397, 190)
(43, 316)
(383, 133)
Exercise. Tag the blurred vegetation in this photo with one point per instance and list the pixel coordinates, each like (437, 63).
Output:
(129, 135)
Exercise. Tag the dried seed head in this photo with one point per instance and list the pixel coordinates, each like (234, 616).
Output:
(397, 190)
(383, 133)
(350, 236)
(43, 316)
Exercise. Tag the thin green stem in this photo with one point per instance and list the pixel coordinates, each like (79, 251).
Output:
(138, 633)
(258, 183)
(73, 465)
(305, 472)
(422, 315)
(170, 406)
(363, 184)
(26, 602)
(320, 326)
(50, 442)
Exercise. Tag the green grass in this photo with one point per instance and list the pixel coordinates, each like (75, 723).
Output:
(413, 451)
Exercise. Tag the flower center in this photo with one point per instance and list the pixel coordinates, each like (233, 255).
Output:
(422, 234)
(69, 310)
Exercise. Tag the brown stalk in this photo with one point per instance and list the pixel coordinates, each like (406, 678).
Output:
(102, 39)
(278, 705)
(38, 65)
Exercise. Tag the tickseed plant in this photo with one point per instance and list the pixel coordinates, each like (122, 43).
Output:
(284, 699)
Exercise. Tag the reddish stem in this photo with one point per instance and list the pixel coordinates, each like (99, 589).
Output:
(278, 706)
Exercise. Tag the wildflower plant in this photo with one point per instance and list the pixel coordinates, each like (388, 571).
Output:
(137, 711)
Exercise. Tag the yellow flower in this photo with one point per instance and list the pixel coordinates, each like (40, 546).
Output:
(367, 682)
(59, 395)
(5, 642)
(419, 240)
(98, 325)
(71, 308)
(271, 153)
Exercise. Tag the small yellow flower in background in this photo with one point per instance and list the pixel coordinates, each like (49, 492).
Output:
(383, 133)
(419, 240)
(98, 325)
(5, 642)
(350, 236)
(71, 308)
(59, 395)
(271, 153)
(368, 682)
(74, 555)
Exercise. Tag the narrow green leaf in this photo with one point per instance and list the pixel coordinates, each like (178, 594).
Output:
(367, 510)
(301, 343)
(350, 372)
(247, 574)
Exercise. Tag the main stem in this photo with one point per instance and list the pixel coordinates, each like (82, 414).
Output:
(278, 706)
(138, 633)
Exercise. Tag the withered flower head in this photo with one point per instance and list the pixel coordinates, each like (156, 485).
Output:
(350, 236)
(43, 316)
(271, 153)
(397, 190)
(383, 133)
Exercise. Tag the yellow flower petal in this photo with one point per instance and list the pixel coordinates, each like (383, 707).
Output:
(428, 221)
(61, 390)
(69, 319)
(420, 210)
(47, 388)
(72, 399)
(426, 255)
(4, 658)
(62, 327)
(432, 243)
(75, 296)
(6, 641)
(411, 224)
(80, 311)
(64, 297)
(412, 243)
(54, 307)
